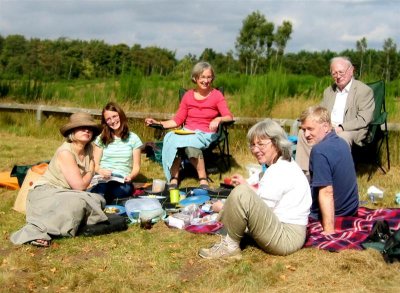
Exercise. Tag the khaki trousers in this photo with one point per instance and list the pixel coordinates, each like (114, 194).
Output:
(244, 211)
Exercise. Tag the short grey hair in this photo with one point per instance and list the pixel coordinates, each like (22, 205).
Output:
(341, 58)
(199, 68)
(269, 129)
(317, 113)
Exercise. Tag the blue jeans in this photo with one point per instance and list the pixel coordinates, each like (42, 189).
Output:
(112, 190)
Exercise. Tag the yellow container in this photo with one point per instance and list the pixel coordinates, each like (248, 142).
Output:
(174, 195)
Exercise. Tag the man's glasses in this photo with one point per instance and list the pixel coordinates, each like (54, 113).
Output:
(339, 73)
(260, 146)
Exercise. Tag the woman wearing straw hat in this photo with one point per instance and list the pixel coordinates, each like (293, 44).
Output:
(58, 202)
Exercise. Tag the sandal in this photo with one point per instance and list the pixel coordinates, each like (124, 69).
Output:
(204, 186)
(173, 185)
(40, 243)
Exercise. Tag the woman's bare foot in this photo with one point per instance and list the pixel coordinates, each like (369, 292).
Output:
(203, 183)
(40, 243)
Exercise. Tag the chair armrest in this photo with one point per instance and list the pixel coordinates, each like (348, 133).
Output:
(157, 126)
(227, 123)
(223, 127)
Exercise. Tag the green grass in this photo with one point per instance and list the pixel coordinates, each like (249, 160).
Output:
(164, 259)
(247, 96)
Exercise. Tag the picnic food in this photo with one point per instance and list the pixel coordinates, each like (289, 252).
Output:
(111, 210)
(228, 180)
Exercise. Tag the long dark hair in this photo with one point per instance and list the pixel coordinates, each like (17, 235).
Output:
(106, 136)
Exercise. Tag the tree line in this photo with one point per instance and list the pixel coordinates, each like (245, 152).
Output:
(259, 48)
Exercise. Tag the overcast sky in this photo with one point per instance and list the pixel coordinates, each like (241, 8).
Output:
(190, 26)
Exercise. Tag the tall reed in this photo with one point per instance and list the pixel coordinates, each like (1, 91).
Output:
(247, 96)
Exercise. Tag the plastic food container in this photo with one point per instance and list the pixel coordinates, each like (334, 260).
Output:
(144, 208)
(158, 185)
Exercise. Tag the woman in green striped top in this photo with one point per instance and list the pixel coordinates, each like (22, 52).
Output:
(116, 155)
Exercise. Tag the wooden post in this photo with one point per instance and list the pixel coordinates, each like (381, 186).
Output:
(39, 114)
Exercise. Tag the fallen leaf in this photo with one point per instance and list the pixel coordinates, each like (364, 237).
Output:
(102, 269)
(53, 270)
(289, 267)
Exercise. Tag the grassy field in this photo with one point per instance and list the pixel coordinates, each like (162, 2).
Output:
(247, 96)
(164, 259)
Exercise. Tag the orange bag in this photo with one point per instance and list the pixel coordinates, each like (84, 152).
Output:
(31, 176)
(7, 181)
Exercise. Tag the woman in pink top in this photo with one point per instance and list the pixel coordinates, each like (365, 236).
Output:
(201, 110)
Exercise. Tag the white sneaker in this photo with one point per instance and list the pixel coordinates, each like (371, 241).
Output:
(220, 250)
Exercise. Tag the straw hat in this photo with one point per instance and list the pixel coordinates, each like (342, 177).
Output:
(78, 120)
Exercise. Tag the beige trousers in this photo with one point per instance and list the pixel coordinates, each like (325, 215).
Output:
(244, 209)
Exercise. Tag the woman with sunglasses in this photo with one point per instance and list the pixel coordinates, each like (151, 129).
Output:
(58, 204)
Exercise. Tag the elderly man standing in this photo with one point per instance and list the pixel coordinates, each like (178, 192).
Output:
(351, 104)
(332, 173)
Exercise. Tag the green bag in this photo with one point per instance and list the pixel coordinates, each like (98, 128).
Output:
(20, 171)
(153, 151)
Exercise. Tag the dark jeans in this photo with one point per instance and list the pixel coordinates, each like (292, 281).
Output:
(112, 190)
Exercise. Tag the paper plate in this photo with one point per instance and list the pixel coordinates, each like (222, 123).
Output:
(114, 209)
(161, 198)
(196, 199)
(153, 196)
(183, 132)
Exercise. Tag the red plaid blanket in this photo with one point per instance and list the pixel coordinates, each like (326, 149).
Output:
(350, 231)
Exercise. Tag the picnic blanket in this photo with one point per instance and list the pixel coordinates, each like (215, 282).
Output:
(205, 229)
(351, 231)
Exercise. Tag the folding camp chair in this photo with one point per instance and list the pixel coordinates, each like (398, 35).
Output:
(377, 132)
(217, 156)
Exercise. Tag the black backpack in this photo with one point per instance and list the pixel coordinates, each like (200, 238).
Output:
(391, 250)
(385, 241)
(114, 223)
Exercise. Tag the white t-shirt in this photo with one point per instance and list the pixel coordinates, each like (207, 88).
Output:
(285, 189)
(337, 113)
